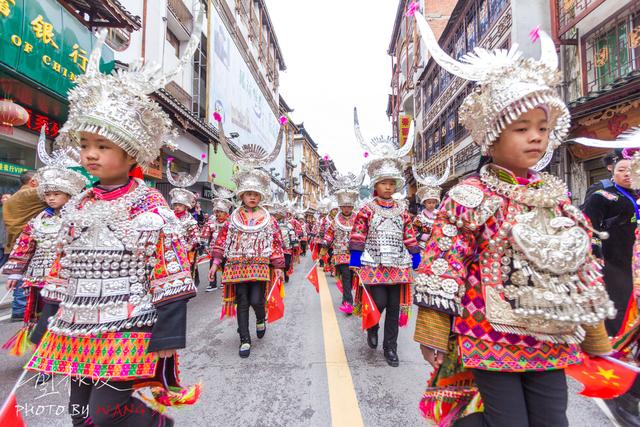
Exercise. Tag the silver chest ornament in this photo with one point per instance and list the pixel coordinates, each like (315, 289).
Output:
(107, 257)
(249, 241)
(285, 230)
(343, 227)
(384, 245)
(45, 232)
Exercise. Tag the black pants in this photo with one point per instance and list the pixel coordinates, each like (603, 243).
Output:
(520, 399)
(287, 264)
(213, 282)
(345, 276)
(303, 248)
(108, 404)
(249, 294)
(387, 297)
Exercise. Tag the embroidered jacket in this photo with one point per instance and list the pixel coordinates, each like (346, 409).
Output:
(35, 250)
(338, 235)
(384, 258)
(119, 286)
(475, 256)
(189, 230)
(248, 250)
(423, 223)
(210, 232)
(288, 236)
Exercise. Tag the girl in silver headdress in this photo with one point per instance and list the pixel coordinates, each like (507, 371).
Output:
(221, 207)
(383, 245)
(511, 294)
(116, 296)
(33, 254)
(250, 242)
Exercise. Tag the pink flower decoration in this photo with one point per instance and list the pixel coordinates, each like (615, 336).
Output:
(169, 159)
(413, 8)
(283, 120)
(534, 34)
(203, 156)
(217, 117)
(213, 174)
(326, 158)
(366, 154)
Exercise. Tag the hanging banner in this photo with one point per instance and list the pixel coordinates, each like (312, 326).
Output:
(405, 124)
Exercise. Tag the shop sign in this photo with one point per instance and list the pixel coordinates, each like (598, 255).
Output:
(44, 42)
(12, 169)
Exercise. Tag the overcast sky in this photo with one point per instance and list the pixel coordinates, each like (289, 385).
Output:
(336, 57)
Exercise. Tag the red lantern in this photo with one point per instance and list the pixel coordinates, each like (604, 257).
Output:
(11, 114)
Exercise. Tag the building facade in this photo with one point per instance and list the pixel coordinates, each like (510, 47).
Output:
(599, 42)
(440, 137)
(307, 161)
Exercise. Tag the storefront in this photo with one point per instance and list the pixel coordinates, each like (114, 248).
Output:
(43, 49)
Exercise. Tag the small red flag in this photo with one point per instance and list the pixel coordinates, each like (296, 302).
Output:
(275, 303)
(315, 250)
(9, 415)
(312, 277)
(602, 378)
(339, 285)
(370, 312)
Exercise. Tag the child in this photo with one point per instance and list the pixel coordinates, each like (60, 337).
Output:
(34, 252)
(339, 231)
(249, 243)
(121, 281)
(509, 259)
(429, 196)
(278, 210)
(182, 202)
(383, 242)
(221, 207)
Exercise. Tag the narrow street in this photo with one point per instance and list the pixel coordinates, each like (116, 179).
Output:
(285, 381)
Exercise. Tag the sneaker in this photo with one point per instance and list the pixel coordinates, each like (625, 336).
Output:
(245, 350)
(346, 308)
(212, 287)
(261, 329)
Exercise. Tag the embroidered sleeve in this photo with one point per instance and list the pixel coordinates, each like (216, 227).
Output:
(55, 286)
(193, 237)
(448, 255)
(277, 254)
(207, 232)
(329, 236)
(360, 229)
(217, 247)
(410, 239)
(171, 277)
(21, 253)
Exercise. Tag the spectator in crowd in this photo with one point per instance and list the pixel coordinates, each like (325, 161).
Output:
(17, 211)
(3, 233)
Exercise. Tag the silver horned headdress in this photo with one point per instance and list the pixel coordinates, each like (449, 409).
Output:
(56, 175)
(430, 185)
(387, 161)
(117, 106)
(181, 181)
(223, 198)
(508, 86)
(250, 157)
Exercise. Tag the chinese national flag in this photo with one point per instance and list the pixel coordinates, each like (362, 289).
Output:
(370, 313)
(339, 285)
(9, 415)
(275, 303)
(602, 378)
(312, 277)
(315, 252)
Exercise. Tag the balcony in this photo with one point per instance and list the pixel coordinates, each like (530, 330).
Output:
(570, 12)
(611, 53)
(182, 14)
(179, 93)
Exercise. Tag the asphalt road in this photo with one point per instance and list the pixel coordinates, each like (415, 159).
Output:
(313, 368)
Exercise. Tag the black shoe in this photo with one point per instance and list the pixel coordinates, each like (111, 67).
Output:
(372, 338)
(245, 350)
(212, 287)
(261, 329)
(392, 358)
(625, 410)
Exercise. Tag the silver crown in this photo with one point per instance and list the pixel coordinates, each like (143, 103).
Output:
(55, 175)
(344, 182)
(181, 181)
(183, 197)
(223, 205)
(253, 180)
(508, 86)
(388, 162)
(117, 106)
(347, 197)
(430, 189)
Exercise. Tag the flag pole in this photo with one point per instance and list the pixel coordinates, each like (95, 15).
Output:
(629, 366)
(13, 390)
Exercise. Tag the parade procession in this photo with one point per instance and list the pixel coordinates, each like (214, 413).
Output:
(457, 245)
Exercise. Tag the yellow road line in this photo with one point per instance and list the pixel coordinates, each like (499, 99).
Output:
(345, 410)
